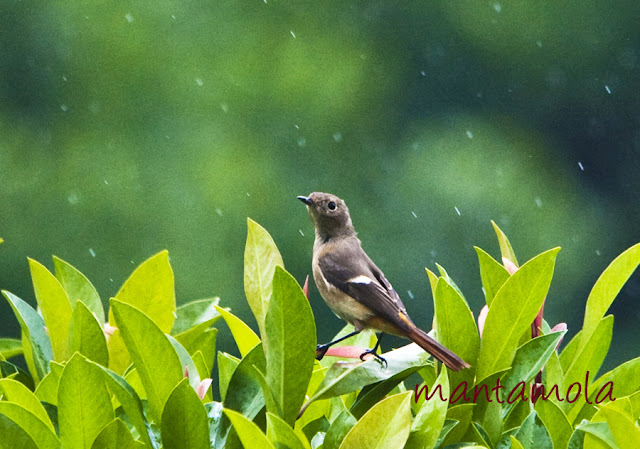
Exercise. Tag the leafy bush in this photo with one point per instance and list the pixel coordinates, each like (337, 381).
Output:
(140, 375)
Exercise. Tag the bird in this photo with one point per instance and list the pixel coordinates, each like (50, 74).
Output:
(354, 288)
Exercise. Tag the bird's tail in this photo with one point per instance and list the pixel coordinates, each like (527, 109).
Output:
(446, 356)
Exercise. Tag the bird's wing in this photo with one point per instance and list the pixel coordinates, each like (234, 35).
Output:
(359, 278)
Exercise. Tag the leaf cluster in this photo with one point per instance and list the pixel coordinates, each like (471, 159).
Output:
(139, 375)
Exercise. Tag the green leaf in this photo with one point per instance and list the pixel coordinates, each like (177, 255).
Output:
(290, 344)
(150, 289)
(505, 246)
(86, 335)
(78, 288)
(129, 400)
(195, 316)
(512, 311)
(515, 444)
(350, 376)
(13, 436)
(47, 390)
(606, 289)
(624, 430)
(184, 420)
(433, 281)
(386, 425)
(429, 421)
(261, 256)
(339, 429)
(152, 353)
(625, 379)
(54, 306)
(10, 347)
(116, 435)
(36, 343)
(84, 403)
(590, 358)
(462, 414)
(226, 366)
(492, 274)
(372, 394)
(13, 391)
(282, 435)
(12, 371)
(186, 361)
(249, 433)
(244, 393)
(600, 430)
(205, 344)
(533, 435)
(555, 421)
(40, 433)
(456, 328)
(530, 358)
(245, 338)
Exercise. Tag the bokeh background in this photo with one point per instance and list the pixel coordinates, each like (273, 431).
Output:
(131, 127)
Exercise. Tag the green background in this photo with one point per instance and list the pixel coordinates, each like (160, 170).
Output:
(131, 127)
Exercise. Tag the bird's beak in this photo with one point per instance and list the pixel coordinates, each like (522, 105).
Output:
(306, 200)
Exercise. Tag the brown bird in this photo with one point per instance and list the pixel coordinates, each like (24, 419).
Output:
(355, 288)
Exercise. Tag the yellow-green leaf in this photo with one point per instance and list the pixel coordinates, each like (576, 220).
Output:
(84, 403)
(290, 344)
(150, 289)
(184, 420)
(249, 433)
(54, 306)
(512, 311)
(14, 391)
(505, 246)
(86, 335)
(261, 256)
(386, 425)
(152, 353)
(245, 338)
(78, 287)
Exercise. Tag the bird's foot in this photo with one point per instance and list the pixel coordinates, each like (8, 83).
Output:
(373, 352)
(321, 350)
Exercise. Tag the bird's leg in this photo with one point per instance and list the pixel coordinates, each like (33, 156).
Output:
(321, 350)
(374, 352)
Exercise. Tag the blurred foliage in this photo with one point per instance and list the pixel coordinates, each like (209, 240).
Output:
(130, 127)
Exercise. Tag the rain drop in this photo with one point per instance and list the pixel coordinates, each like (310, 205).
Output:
(607, 89)
(129, 17)
(302, 142)
(293, 34)
(64, 107)
(301, 233)
(497, 7)
(457, 210)
(92, 252)
(219, 212)
(469, 134)
(337, 137)
(199, 82)
(410, 293)
(538, 202)
(73, 198)
(581, 166)
(414, 214)
(224, 107)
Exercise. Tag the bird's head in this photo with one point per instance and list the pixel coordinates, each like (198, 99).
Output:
(329, 214)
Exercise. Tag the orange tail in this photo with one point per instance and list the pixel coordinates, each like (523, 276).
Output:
(446, 356)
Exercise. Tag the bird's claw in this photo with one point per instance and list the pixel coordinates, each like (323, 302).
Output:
(321, 350)
(373, 352)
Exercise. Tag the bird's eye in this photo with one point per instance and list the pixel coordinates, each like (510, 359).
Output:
(331, 205)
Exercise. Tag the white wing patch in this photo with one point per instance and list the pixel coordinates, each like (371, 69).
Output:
(362, 279)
